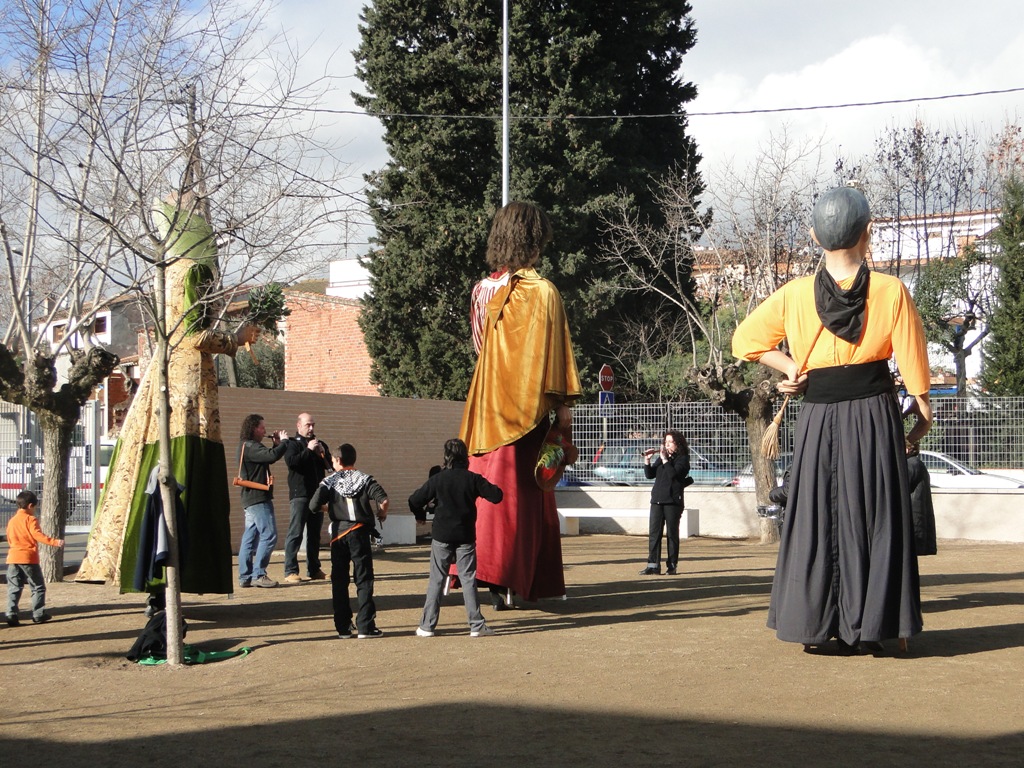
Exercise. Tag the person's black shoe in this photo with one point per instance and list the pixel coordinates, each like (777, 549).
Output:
(12, 621)
(873, 647)
(650, 572)
(671, 571)
(845, 649)
(41, 619)
(501, 599)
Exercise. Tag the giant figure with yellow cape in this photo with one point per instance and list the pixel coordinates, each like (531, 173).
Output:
(526, 371)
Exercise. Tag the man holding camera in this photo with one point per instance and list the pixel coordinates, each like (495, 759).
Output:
(309, 461)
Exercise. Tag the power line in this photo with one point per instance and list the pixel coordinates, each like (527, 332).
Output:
(569, 117)
(858, 103)
(721, 113)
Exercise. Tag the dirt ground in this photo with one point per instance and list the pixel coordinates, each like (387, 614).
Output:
(627, 671)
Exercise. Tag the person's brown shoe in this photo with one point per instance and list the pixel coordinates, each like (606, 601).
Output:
(294, 578)
(264, 581)
(318, 576)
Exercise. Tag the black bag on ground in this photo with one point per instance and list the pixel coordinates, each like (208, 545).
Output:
(152, 641)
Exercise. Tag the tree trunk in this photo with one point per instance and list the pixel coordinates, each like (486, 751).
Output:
(960, 366)
(725, 386)
(168, 483)
(57, 433)
(759, 416)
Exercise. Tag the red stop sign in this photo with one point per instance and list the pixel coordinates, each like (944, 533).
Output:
(606, 378)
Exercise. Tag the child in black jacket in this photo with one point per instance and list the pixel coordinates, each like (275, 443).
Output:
(455, 490)
(347, 494)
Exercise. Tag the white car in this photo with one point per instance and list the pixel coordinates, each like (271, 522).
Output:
(946, 472)
(744, 480)
(943, 472)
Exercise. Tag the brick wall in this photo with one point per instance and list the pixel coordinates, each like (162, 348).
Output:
(324, 349)
(397, 440)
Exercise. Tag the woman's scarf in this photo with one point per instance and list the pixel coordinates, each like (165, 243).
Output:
(842, 312)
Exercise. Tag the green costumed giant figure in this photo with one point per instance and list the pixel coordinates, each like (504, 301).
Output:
(197, 451)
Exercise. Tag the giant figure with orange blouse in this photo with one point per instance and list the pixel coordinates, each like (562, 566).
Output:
(526, 370)
(846, 567)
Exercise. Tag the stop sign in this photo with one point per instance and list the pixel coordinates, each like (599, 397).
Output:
(606, 378)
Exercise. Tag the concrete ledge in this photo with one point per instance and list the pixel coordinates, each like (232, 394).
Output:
(980, 515)
(569, 518)
(398, 529)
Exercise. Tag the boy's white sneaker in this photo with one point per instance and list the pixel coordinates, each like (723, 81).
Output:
(420, 632)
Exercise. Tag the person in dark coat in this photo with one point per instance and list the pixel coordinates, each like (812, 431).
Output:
(921, 509)
(669, 470)
(309, 462)
(454, 491)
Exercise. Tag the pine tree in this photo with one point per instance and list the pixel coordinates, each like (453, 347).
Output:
(433, 202)
(1003, 373)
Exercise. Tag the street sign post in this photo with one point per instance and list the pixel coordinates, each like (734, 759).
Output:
(606, 397)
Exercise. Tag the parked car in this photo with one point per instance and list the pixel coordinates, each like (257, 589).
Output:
(744, 479)
(943, 472)
(621, 462)
(81, 464)
(946, 472)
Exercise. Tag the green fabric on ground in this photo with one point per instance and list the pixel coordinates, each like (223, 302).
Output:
(193, 655)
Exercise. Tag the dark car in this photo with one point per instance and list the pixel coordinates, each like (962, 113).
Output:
(621, 462)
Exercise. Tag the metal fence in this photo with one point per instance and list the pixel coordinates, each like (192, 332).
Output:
(987, 433)
(22, 462)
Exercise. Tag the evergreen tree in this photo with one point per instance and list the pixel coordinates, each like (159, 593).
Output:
(1003, 373)
(433, 202)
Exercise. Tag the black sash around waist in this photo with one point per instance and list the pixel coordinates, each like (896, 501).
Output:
(848, 382)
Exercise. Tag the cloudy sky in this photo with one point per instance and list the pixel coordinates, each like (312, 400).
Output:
(757, 55)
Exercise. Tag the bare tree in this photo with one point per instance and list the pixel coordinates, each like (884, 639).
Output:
(928, 186)
(756, 241)
(103, 110)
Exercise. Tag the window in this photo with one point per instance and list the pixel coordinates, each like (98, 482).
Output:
(99, 325)
(58, 333)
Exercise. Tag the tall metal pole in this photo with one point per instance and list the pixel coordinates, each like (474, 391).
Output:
(504, 103)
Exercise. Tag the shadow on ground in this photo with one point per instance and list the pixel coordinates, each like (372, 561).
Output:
(455, 733)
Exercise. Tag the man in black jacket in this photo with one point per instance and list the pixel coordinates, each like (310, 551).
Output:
(309, 461)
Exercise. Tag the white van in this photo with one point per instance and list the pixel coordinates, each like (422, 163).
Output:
(80, 465)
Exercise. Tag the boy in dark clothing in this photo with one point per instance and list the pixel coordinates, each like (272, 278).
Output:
(455, 490)
(348, 493)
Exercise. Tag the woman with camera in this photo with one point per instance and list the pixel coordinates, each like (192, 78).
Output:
(669, 470)
(260, 533)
